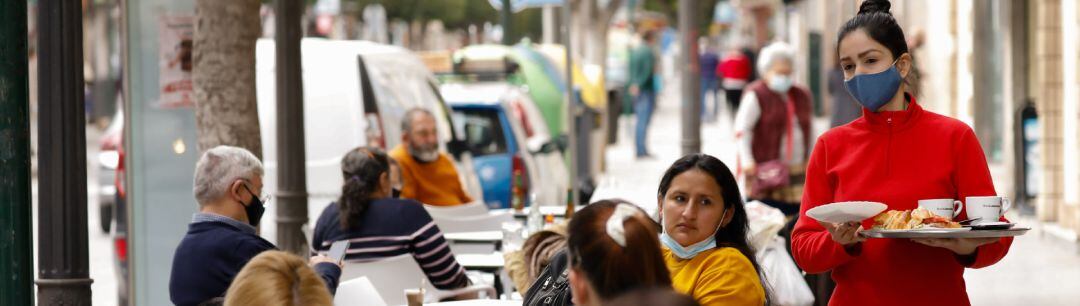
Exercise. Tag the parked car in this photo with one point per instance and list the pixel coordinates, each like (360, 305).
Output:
(541, 69)
(356, 93)
(515, 155)
(107, 161)
(530, 71)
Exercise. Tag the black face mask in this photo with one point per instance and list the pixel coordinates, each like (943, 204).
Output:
(255, 209)
(395, 193)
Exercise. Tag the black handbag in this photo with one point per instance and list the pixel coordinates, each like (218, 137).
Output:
(552, 287)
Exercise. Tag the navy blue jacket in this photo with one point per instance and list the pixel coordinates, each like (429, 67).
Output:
(210, 256)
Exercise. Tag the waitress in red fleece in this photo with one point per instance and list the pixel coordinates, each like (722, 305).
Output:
(896, 153)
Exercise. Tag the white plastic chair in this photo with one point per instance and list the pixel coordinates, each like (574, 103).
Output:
(359, 292)
(471, 209)
(478, 223)
(391, 276)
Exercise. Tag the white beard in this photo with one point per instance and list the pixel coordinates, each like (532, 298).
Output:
(424, 156)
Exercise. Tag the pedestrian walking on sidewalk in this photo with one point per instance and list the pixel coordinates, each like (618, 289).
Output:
(772, 128)
(735, 71)
(897, 154)
(643, 89)
(709, 62)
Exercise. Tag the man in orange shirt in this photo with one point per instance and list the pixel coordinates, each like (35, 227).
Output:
(428, 176)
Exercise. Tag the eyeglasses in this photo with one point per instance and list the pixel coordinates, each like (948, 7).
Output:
(264, 198)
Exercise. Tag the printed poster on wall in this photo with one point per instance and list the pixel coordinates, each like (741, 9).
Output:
(175, 33)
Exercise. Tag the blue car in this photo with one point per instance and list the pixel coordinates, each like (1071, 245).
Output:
(513, 155)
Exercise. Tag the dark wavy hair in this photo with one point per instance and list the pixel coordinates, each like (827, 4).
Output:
(361, 168)
(734, 235)
(613, 269)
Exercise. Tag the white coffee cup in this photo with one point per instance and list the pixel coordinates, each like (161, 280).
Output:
(989, 209)
(947, 208)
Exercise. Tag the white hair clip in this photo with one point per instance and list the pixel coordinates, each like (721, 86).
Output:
(615, 222)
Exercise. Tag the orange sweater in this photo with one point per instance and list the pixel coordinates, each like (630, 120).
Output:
(434, 183)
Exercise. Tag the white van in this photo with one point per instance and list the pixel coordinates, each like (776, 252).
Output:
(356, 93)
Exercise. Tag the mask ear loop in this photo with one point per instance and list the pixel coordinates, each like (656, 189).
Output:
(615, 223)
(721, 224)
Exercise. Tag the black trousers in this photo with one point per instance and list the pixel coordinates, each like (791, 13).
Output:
(733, 97)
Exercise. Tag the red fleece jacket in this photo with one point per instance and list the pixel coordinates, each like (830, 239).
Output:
(896, 158)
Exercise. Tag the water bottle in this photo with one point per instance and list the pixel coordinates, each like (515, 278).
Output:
(535, 220)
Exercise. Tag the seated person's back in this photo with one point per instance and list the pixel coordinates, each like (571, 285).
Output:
(380, 227)
(208, 258)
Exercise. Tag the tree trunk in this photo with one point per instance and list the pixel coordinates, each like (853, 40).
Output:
(224, 74)
(589, 30)
(590, 25)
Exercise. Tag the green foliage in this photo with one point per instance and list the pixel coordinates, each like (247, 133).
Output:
(453, 13)
(670, 8)
(456, 14)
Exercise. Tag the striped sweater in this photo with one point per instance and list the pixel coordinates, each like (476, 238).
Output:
(392, 227)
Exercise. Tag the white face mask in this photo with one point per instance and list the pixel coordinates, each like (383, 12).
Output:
(780, 83)
(692, 250)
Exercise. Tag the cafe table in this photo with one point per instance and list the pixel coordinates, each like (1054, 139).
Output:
(489, 263)
(475, 237)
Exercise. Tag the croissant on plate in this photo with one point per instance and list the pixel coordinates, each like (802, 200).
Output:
(912, 219)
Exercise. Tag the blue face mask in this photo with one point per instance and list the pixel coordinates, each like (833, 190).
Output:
(692, 250)
(780, 83)
(875, 90)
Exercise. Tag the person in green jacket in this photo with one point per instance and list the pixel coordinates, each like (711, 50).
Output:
(642, 89)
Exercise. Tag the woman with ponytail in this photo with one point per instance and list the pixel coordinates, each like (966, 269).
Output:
(896, 153)
(379, 226)
(613, 249)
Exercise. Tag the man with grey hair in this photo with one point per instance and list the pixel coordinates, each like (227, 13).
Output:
(222, 237)
(427, 175)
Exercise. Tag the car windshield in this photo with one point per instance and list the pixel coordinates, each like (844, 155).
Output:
(482, 130)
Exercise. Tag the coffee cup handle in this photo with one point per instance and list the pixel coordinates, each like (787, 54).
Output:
(959, 207)
(1005, 205)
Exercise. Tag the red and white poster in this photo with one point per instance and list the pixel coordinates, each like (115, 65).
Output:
(175, 34)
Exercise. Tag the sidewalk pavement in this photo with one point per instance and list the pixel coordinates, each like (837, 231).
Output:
(1039, 269)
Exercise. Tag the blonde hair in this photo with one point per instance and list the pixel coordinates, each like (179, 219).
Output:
(276, 278)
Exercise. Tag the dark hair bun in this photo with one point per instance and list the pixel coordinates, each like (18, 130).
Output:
(873, 6)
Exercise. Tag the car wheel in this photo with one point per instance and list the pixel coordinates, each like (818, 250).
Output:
(105, 213)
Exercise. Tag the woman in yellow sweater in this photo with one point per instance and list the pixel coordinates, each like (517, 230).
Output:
(704, 234)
